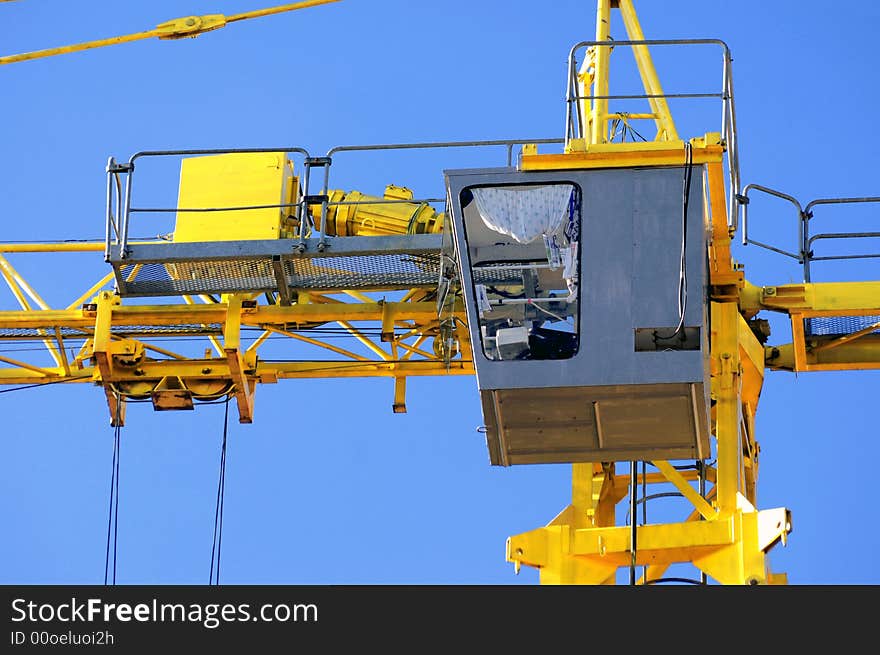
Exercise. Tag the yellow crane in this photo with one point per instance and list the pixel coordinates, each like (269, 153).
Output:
(288, 256)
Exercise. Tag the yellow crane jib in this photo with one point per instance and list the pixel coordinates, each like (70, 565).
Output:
(178, 28)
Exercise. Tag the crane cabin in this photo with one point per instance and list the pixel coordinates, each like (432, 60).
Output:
(585, 294)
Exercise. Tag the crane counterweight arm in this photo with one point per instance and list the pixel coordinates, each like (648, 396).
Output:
(178, 28)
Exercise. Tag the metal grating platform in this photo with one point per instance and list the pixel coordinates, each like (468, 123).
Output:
(496, 274)
(839, 325)
(362, 263)
(40, 333)
(48, 332)
(177, 330)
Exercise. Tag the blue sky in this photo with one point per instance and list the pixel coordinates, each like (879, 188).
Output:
(327, 485)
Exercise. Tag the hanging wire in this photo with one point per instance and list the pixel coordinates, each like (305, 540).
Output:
(673, 580)
(214, 577)
(700, 465)
(633, 493)
(682, 271)
(44, 384)
(113, 515)
(645, 508)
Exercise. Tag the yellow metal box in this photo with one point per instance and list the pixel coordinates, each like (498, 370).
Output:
(234, 180)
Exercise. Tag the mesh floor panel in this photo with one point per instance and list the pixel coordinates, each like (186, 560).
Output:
(839, 325)
(119, 331)
(364, 272)
(32, 333)
(361, 272)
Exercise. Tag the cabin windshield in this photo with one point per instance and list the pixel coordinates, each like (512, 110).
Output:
(524, 249)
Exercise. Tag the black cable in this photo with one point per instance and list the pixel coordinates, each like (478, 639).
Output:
(218, 508)
(116, 502)
(633, 491)
(110, 513)
(682, 271)
(679, 580)
(44, 384)
(637, 133)
(113, 515)
(644, 508)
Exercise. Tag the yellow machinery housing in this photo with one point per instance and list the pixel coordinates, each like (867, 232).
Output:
(264, 181)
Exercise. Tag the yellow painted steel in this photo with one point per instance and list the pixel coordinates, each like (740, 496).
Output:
(722, 533)
(125, 370)
(859, 350)
(594, 82)
(264, 180)
(178, 28)
(356, 214)
(623, 155)
(602, 61)
(730, 543)
(659, 107)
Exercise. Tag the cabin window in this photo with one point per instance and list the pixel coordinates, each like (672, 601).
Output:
(524, 252)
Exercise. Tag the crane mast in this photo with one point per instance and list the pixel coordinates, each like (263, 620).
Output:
(294, 254)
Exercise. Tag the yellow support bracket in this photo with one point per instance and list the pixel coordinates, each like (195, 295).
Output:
(102, 355)
(399, 406)
(189, 26)
(244, 385)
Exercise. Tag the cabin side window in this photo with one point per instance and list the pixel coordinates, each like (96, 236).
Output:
(524, 250)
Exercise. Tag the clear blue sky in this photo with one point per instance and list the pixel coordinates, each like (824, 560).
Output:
(327, 485)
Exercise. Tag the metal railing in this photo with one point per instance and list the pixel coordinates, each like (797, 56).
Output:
(805, 255)
(574, 120)
(119, 192)
(119, 214)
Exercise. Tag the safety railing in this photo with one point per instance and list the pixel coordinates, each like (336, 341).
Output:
(119, 212)
(806, 254)
(575, 122)
(120, 184)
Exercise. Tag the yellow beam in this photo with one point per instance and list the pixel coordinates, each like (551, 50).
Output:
(726, 393)
(622, 155)
(815, 299)
(325, 369)
(97, 286)
(836, 343)
(30, 367)
(14, 282)
(659, 107)
(611, 546)
(47, 319)
(751, 354)
(677, 479)
(156, 315)
(188, 26)
(364, 340)
(863, 354)
(601, 77)
(316, 342)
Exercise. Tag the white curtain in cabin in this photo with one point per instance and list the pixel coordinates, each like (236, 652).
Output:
(523, 213)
